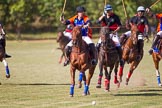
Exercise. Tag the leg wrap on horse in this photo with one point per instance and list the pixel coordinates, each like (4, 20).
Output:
(119, 50)
(67, 54)
(92, 51)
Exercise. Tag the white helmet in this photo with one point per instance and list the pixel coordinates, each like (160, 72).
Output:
(140, 8)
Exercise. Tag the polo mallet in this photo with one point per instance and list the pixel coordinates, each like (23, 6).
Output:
(154, 3)
(63, 9)
(126, 15)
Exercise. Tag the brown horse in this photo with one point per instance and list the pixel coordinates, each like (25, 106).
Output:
(108, 57)
(63, 41)
(132, 52)
(157, 56)
(2, 59)
(80, 60)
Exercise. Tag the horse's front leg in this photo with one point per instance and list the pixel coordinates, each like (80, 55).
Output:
(115, 76)
(90, 74)
(133, 66)
(7, 68)
(121, 68)
(107, 79)
(100, 75)
(72, 75)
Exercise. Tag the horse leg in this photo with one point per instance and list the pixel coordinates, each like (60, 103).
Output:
(72, 75)
(115, 76)
(107, 81)
(81, 77)
(121, 72)
(60, 60)
(90, 74)
(100, 75)
(156, 63)
(133, 66)
(7, 68)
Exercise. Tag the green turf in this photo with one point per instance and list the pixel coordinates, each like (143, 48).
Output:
(39, 81)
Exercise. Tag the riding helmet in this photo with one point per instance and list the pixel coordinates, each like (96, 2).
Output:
(140, 8)
(80, 9)
(108, 7)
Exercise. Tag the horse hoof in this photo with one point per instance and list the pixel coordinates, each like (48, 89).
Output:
(79, 85)
(160, 85)
(71, 95)
(84, 94)
(98, 86)
(126, 83)
(116, 81)
(88, 93)
(120, 79)
(107, 90)
(8, 76)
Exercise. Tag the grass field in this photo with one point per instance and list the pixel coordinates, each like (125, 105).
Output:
(39, 81)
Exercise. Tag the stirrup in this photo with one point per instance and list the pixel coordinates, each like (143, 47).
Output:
(66, 62)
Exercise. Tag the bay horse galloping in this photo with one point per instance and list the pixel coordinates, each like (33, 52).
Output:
(157, 56)
(108, 57)
(132, 52)
(63, 41)
(80, 60)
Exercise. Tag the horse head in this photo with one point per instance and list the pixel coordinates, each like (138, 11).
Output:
(106, 41)
(76, 35)
(134, 34)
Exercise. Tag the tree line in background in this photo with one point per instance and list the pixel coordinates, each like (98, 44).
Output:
(43, 15)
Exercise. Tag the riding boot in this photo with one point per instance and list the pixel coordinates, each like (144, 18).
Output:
(123, 39)
(157, 37)
(98, 46)
(93, 54)
(119, 50)
(67, 54)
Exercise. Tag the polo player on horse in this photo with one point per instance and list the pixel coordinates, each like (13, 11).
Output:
(80, 20)
(158, 36)
(112, 21)
(142, 25)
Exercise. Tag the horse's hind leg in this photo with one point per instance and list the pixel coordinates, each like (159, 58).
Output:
(156, 63)
(7, 68)
(81, 77)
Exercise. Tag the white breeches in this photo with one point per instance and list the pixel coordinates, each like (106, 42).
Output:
(85, 38)
(67, 34)
(160, 33)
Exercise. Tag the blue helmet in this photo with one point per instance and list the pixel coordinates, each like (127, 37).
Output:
(108, 7)
(80, 9)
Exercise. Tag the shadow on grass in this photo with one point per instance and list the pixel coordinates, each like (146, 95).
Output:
(139, 94)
